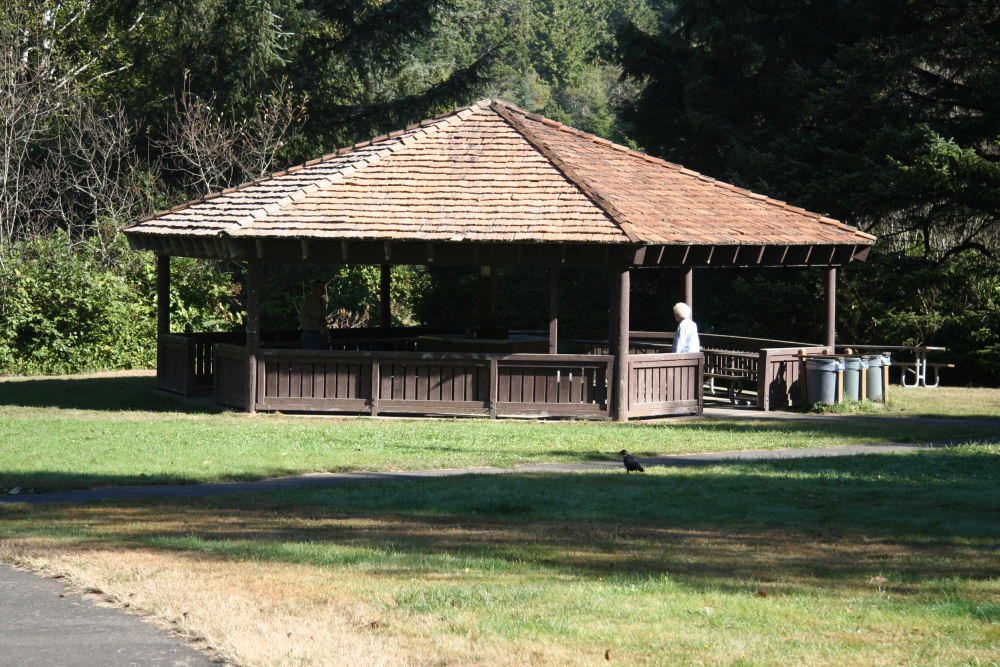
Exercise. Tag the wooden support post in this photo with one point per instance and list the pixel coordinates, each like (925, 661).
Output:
(163, 294)
(689, 287)
(619, 346)
(253, 330)
(384, 296)
(885, 383)
(553, 310)
(162, 310)
(831, 307)
(863, 384)
(487, 302)
(376, 385)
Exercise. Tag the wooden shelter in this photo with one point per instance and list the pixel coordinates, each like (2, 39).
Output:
(488, 185)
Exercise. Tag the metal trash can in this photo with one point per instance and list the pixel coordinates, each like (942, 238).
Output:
(852, 377)
(821, 379)
(874, 388)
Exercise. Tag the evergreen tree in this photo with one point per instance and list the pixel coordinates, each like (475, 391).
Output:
(884, 115)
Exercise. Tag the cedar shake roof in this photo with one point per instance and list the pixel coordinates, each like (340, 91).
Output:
(493, 173)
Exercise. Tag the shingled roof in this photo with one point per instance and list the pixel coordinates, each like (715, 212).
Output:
(492, 173)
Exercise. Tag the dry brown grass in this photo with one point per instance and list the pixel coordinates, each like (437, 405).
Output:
(283, 613)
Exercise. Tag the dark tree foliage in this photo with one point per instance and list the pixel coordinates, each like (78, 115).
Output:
(344, 55)
(885, 115)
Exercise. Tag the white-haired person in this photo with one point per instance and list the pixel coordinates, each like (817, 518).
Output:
(686, 337)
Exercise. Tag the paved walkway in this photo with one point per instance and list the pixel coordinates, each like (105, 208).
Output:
(341, 478)
(42, 623)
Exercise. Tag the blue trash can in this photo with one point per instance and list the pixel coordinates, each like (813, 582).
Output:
(852, 377)
(874, 388)
(821, 379)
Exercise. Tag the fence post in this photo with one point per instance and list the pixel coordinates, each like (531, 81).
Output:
(803, 377)
(376, 385)
(494, 386)
(764, 380)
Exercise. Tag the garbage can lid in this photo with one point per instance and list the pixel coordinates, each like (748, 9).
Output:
(824, 364)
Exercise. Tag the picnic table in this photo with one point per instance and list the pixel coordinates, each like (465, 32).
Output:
(915, 373)
(736, 369)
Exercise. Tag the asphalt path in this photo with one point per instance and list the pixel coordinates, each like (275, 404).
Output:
(44, 623)
(338, 479)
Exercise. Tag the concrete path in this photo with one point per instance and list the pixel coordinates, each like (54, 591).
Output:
(43, 623)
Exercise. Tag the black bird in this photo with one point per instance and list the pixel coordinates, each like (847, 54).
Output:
(630, 463)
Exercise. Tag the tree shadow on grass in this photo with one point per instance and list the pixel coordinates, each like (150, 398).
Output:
(851, 526)
(112, 393)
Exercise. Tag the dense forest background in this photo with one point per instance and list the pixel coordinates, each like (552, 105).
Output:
(884, 115)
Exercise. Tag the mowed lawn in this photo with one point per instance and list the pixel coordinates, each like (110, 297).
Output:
(80, 432)
(880, 559)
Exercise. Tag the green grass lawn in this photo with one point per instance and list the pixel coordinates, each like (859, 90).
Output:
(64, 433)
(881, 559)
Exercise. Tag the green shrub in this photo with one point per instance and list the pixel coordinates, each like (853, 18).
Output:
(62, 312)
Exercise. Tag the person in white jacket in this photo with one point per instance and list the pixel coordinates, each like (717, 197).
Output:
(686, 338)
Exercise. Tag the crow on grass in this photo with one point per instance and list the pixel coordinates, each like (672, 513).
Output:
(630, 462)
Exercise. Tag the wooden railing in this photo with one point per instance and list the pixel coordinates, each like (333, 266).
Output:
(780, 384)
(185, 362)
(231, 376)
(745, 344)
(175, 370)
(523, 384)
(495, 385)
(440, 383)
(665, 384)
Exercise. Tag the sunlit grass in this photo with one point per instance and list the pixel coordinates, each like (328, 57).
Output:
(945, 401)
(81, 432)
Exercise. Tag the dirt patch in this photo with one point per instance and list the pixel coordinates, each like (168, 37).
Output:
(135, 372)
